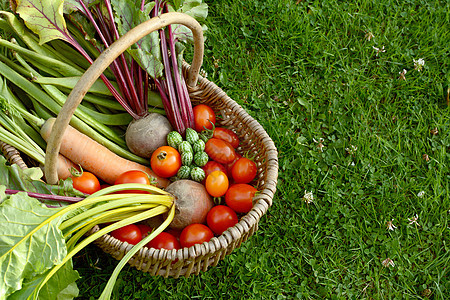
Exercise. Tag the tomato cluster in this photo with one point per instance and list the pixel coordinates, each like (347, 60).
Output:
(226, 174)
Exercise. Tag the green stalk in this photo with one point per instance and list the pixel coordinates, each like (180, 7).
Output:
(12, 127)
(69, 82)
(30, 39)
(83, 228)
(60, 98)
(135, 219)
(45, 100)
(137, 198)
(20, 145)
(63, 68)
(106, 294)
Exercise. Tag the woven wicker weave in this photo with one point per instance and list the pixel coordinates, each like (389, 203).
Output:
(200, 257)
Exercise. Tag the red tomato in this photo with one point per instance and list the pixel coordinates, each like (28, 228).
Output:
(217, 183)
(175, 232)
(86, 183)
(212, 166)
(165, 161)
(164, 240)
(145, 229)
(227, 135)
(203, 114)
(220, 218)
(195, 234)
(243, 170)
(220, 151)
(129, 233)
(133, 176)
(239, 197)
(231, 164)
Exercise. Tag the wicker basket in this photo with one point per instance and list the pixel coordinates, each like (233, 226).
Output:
(254, 139)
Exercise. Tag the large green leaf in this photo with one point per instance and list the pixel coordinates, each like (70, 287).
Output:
(45, 18)
(61, 286)
(24, 255)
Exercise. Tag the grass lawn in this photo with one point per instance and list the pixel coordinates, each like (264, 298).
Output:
(359, 122)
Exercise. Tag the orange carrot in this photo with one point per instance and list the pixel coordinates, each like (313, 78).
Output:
(64, 167)
(94, 157)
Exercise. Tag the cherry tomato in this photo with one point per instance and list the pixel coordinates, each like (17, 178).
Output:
(195, 234)
(175, 232)
(230, 165)
(133, 176)
(217, 183)
(220, 151)
(203, 114)
(220, 218)
(145, 229)
(243, 170)
(164, 240)
(165, 161)
(129, 233)
(86, 183)
(212, 166)
(227, 135)
(240, 196)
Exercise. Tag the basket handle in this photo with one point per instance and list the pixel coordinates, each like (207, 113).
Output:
(102, 62)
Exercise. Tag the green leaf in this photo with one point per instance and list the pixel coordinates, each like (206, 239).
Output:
(62, 284)
(24, 255)
(146, 51)
(45, 18)
(196, 9)
(28, 180)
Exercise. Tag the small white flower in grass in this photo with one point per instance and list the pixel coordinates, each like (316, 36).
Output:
(390, 225)
(413, 220)
(369, 35)
(379, 50)
(308, 197)
(418, 64)
(203, 73)
(319, 143)
(351, 150)
(402, 74)
(388, 262)
(421, 194)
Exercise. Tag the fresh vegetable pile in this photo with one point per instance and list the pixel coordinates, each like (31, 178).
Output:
(174, 181)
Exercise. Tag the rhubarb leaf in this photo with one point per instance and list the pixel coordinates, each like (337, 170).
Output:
(45, 18)
(24, 255)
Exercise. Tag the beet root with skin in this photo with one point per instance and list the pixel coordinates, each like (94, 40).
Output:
(145, 135)
(192, 203)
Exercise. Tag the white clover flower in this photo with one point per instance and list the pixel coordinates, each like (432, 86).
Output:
(369, 35)
(351, 150)
(379, 50)
(319, 143)
(402, 74)
(413, 220)
(421, 194)
(203, 73)
(308, 197)
(388, 262)
(418, 64)
(390, 225)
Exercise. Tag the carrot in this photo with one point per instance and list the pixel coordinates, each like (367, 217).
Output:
(94, 157)
(64, 167)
